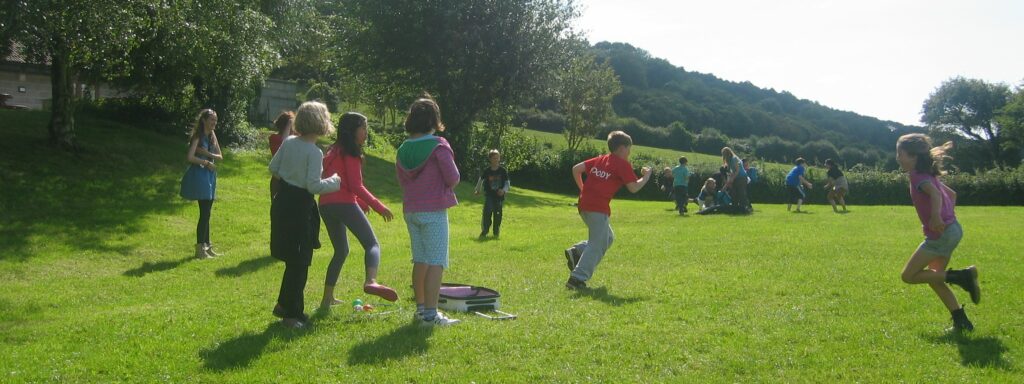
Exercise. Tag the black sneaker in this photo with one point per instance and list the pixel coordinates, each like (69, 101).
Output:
(967, 279)
(960, 321)
(570, 258)
(575, 284)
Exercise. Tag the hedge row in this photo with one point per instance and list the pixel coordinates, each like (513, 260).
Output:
(551, 171)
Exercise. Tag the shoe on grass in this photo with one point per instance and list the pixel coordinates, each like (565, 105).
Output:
(575, 284)
(439, 320)
(960, 321)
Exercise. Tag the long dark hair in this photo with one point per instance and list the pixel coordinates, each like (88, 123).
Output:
(199, 129)
(349, 123)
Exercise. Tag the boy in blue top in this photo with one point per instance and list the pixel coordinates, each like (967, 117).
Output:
(794, 184)
(680, 179)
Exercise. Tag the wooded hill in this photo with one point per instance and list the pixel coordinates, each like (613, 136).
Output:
(658, 100)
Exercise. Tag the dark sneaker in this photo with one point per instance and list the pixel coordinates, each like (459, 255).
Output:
(967, 279)
(960, 321)
(972, 284)
(571, 258)
(278, 311)
(575, 284)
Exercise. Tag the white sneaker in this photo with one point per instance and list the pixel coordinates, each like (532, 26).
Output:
(440, 320)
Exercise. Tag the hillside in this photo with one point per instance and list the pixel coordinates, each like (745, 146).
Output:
(658, 98)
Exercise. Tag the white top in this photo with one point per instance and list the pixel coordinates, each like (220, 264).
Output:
(300, 163)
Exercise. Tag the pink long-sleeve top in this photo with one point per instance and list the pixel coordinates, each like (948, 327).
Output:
(427, 174)
(350, 169)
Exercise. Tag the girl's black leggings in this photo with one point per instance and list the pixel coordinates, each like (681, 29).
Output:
(203, 227)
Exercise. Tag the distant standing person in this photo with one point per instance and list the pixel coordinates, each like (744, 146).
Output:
(837, 186)
(605, 175)
(283, 124)
(795, 182)
(426, 170)
(736, 181)
(201, 183)
(345, 209)
(293, 219)
(935, 203)
(495, 183)
(680, 181)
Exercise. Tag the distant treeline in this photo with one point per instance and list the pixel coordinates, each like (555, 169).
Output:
(665, 106)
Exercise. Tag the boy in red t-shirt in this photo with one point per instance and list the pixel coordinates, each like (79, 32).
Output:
(605, 175)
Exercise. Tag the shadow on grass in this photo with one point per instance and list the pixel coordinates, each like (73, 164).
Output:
(93, 198)
(246, 267)
(148, 267)
(403, 342)
(241, 351)
(601, 294)
(985, 352)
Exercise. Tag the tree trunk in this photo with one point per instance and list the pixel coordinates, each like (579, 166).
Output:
(62, 114)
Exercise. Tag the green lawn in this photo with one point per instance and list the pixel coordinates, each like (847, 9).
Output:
(98, 286)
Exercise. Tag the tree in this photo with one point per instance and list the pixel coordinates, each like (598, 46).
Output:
(1011, 120)
(78, 39)
(968, 107)
(471, 55)
(213, 54)
(584, 91)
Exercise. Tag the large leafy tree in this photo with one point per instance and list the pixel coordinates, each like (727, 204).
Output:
(471, 55)
(584, 92)
(968, 107)
(215, 54)
(78, 39)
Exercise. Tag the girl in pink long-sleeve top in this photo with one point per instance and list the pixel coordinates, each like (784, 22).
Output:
(428, 176)
(345, 209)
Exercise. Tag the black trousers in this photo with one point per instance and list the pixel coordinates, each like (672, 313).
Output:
(294, 224)
(493, 206)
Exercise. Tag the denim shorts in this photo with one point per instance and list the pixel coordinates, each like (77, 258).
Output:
(945, 244)
(428, 232)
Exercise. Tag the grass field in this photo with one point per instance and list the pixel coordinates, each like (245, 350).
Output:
(98, 286)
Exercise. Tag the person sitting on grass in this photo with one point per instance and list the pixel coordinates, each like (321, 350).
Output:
(605, 175)
(794, 184)
(707, 195)
(935, 203)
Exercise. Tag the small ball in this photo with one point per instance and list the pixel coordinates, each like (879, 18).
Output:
(357, 308)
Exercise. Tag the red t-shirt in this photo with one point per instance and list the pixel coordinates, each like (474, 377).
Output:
(604, 175)
(275, 143)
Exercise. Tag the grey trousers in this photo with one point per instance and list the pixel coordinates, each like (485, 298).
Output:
(599, 238)
(338, 217)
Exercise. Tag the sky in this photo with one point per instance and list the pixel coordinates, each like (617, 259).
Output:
(872, 57)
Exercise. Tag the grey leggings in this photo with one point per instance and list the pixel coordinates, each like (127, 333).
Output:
(337, 217)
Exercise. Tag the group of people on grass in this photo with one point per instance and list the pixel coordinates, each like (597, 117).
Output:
(426, 171)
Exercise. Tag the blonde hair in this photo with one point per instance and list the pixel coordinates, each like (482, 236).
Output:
(928, 159)
(727, 154)
(312, 118)
(618, 139)
(492, 152)
(198, 128)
